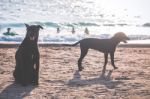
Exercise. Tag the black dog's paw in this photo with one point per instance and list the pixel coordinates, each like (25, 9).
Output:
(35, 84)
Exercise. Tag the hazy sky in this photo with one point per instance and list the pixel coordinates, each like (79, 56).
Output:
(130, 7)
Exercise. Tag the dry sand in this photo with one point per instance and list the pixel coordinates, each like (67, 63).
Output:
(60, 79)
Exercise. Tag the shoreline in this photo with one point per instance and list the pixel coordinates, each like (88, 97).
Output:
(14, 44)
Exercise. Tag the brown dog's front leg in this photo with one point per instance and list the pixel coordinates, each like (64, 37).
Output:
(106, 60)
(112, 60)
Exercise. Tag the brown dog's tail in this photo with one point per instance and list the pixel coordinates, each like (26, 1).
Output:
(75, 43)
(72, 44)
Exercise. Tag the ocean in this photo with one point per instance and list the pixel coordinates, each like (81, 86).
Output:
(103, 18)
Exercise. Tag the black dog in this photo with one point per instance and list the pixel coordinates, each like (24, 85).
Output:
(107, 46)
(27, 57)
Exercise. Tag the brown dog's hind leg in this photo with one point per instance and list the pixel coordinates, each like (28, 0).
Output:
(112, 60)
(83, 54)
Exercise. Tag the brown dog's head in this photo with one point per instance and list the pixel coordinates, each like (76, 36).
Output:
(120, 36)
(33, 32)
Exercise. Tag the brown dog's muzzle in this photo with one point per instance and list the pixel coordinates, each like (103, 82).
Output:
(125, 40)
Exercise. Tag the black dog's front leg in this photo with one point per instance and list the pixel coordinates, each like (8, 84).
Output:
(112, 60)
(37, 72)
(36, 68)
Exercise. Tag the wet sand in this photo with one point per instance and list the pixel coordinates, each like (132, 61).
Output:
(60, 79)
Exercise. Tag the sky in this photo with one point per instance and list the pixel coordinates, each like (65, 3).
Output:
(130, 7)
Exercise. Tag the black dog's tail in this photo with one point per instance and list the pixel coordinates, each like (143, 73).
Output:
(72, 44)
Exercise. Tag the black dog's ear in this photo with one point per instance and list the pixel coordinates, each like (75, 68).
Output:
(39, 26)
(27, 25)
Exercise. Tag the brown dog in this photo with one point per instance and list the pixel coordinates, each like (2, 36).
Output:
(27, 57)
(106, 46)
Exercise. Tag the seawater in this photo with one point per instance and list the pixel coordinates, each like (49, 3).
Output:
(102, 18)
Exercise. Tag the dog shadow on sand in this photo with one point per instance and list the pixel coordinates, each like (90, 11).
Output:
(103, 79)
(16, 91)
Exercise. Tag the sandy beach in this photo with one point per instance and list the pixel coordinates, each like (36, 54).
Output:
(60, 79)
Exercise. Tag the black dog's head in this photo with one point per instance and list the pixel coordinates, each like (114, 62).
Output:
(33, 32)
(120, 36)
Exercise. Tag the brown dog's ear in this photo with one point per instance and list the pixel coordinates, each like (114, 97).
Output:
(27, 25)
(39, 26)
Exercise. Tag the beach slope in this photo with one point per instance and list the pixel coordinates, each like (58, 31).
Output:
(60, 79)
